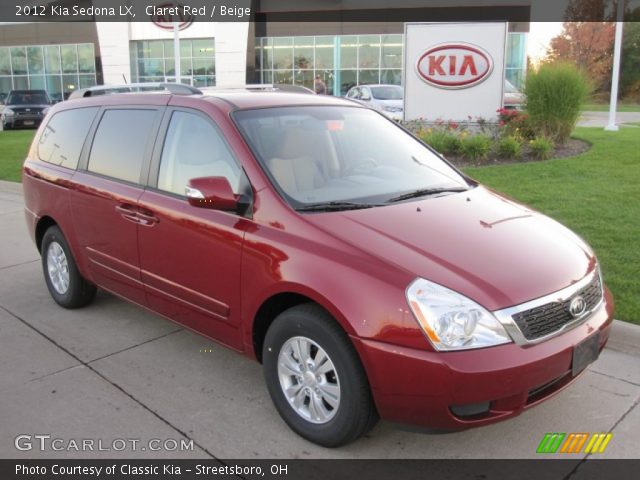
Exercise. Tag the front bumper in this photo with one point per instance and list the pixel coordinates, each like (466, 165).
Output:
(422, 387)
(22, 120)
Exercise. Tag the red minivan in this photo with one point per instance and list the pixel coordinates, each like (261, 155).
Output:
(369, 276)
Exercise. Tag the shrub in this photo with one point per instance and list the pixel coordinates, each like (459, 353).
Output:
(541, 148)
(515, 123)
(442, 141)
(554, 95)
(509, 147)
(476, 147)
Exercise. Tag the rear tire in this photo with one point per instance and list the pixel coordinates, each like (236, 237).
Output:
(67, 287)
(315, 377)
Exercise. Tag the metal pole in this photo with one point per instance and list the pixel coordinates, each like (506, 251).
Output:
(615, 74)
(176, 50)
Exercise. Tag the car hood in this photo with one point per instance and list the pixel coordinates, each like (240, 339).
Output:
(478, 243)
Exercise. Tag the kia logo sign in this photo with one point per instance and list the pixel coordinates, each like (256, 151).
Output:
(166, 14)
(454, 65)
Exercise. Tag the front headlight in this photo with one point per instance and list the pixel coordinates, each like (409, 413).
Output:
(391, 109)
(7, 112)
(452, 321)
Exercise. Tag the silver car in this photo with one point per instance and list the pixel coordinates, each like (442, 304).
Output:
(388, 99)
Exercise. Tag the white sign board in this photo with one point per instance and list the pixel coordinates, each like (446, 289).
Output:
(454, 70)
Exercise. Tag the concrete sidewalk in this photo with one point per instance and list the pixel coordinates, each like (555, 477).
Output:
(113, 371)
(600, 119)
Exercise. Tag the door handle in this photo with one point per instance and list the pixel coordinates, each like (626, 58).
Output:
(128, 212)
(147, 217)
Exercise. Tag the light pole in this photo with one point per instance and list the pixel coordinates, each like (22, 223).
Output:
(615, 74)
(176, 50)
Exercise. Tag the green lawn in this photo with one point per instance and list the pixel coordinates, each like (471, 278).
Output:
(13, 149)
(604, 107)
(596, 194)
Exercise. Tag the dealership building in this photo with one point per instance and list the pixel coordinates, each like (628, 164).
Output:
(62, 57)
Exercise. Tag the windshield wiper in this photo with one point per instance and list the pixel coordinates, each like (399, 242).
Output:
(423, 192)
(334, 206)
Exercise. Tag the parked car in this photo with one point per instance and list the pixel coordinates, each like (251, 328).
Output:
(513, 98)
(25, 108)
(369, 276)
(387, 99)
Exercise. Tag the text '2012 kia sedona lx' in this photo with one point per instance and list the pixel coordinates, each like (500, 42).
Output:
(369, 276)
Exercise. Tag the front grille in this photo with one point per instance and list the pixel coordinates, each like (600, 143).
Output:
(545, 319)
(23, 111)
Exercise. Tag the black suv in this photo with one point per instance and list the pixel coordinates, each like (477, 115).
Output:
(25, 108)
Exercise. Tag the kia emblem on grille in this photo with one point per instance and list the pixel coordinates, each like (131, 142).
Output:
(577, 306)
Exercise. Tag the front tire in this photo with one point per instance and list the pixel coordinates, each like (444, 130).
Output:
(67, 287)
(315, 377)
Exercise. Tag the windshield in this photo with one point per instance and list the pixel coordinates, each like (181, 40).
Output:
(390, 92)
(28, 98)
(341, 154)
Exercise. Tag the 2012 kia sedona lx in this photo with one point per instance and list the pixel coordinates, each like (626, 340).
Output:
(369, 276)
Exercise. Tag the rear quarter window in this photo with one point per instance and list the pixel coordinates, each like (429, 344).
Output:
(120, 143)
(64, 135)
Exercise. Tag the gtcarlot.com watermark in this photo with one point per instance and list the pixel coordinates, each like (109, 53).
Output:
(49, 443)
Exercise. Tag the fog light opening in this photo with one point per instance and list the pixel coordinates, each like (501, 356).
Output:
(470, 409)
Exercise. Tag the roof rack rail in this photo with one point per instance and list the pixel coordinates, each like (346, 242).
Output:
(175, 88)
(263, 87)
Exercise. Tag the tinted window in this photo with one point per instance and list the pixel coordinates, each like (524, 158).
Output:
(119, 145)
(194, 148)
(63, 136)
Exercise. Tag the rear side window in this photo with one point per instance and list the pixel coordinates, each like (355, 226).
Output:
(63, 136)
(120, 142)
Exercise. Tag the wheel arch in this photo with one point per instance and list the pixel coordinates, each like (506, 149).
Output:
(44, 223)
(278, 302)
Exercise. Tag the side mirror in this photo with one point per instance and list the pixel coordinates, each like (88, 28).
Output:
(212, 192)
(365, 96)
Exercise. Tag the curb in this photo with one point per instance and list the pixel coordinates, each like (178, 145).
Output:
(10, 187)
(624, 337)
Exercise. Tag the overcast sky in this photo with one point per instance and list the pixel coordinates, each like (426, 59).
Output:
(540, 34)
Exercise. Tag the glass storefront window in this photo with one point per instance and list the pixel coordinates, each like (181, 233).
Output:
(282, 53)
(391, 55)
(54, 87)
(267, 54)
(86, 58)
(35, 60)
(37, 82)
(154, 61)
(21, 82)
(5, 61)
(324, 52)
(369, 51)
(52, 59)
(348, 79)
(303, 52)
(18, 60)
(349, 51)
(203, 48)
(69, 56)
(391, 77)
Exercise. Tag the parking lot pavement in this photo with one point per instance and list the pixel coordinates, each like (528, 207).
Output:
(115, 371)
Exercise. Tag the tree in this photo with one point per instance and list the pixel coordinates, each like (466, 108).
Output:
(589, 46)
(630, 68)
